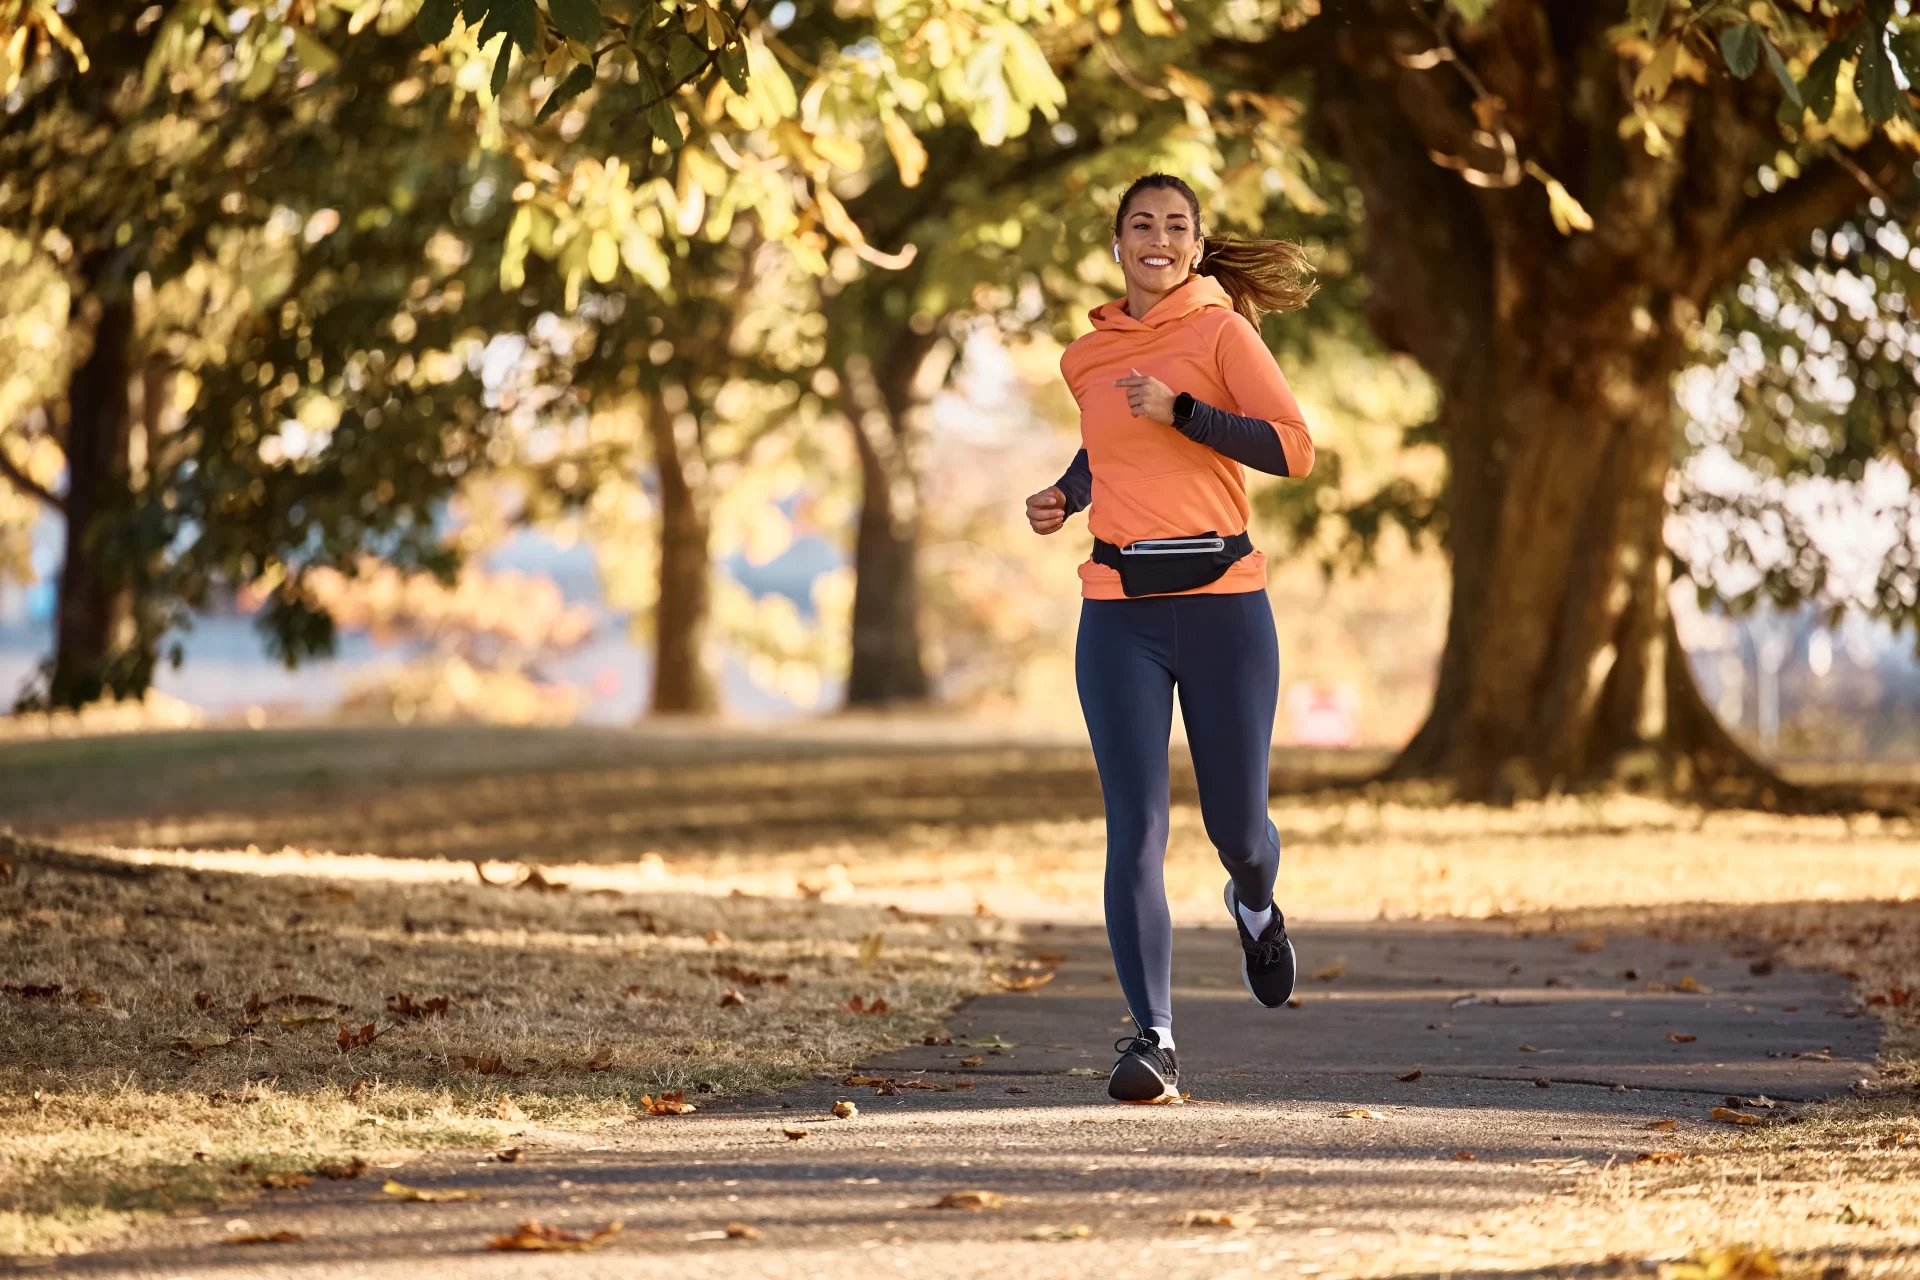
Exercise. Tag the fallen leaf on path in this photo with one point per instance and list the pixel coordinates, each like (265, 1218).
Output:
(870, 947)
(972, 1061)
(429, 1195)
(1761, 1101)
(844, 1110)
(672, 1102)
(963, 1084)
(1730, 1116)
(1410, 1076)
(859, 1004)
(601, 1061)
(1078, 1231)
(1464, 1155)
(1081, 1071)
(1734, 1262)
(508, 1155)
(971, 1201)
(285, 1180)
(1663, 1124)
(985, 912)
(936, 1041)
(1527, 1048)
(1660, 1157)
(1590, 943)
(1815, 1055)
(732, 999)
(742, 1231)
(1359, 1113)
(1460, 1002)
(1023, 981)
(1294, 1002)
(540, 1237)
(1217, 1218)
(1052, 958)
(1014, 1088)
(1542, 1082)
(1679, 1037)
(1331, 972)
(716, 938)
(341, 1170)
(1850, 1216)
(270, 1237)
(1693, 984)
(794, 1132)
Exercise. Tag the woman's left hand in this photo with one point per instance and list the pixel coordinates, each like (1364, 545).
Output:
(1148, 396)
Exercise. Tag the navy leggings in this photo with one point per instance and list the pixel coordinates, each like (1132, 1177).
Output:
(1222, 653)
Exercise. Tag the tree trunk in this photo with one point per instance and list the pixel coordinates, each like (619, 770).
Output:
(97, 650)
(1555, 355)
(889, 407)
(683, 680)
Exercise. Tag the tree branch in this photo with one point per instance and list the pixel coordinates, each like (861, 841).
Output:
(28, 485)
(1826, 192)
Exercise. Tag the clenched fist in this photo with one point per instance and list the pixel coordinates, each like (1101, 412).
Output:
(1148, 397)
(1047, 510)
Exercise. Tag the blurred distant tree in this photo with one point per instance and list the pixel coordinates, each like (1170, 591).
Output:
(1554, 196)
(271, 247)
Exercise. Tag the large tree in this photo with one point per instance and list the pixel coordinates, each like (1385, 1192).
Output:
(1554, 196)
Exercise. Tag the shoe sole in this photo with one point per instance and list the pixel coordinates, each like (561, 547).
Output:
(1246, 978)
(1133, 1080)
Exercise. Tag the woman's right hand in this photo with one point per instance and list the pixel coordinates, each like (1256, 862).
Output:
(1047, 510)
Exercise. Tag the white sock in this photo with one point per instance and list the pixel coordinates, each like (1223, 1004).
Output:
(1257, 921)
(1164, 1035)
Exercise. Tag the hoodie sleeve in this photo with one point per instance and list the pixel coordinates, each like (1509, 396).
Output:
(1272, 435)
(1077, 483)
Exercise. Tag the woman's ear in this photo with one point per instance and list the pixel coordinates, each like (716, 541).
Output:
(1199, 255)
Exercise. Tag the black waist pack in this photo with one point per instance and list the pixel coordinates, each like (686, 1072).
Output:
(1161, 566)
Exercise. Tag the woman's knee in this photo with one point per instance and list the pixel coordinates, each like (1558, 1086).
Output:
(1247, 847)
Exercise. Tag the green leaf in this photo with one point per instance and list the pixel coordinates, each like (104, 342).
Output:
(499, 82)
(733, 65)
(518, 19)
(578, 81)
(1873, 81)
(1740, 45)
(577, 19)
(1784, 76)
(435, 22)
(659, 115)
(684, 59)
(1817, 86)
(1471, 10)
(1648, 13)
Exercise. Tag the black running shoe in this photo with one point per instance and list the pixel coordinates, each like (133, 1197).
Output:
(1145, 1072)
(1266, 962)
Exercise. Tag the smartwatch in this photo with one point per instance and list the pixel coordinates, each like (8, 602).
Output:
(1182, 408)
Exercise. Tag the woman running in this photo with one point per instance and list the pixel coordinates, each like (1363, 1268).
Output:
(1177, 393)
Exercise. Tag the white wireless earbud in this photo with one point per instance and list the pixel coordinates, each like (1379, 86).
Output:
(1116, 253)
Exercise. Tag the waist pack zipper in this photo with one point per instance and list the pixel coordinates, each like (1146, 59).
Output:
(1173, 546)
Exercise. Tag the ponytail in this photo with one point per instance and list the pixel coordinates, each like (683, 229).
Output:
(1259, 276)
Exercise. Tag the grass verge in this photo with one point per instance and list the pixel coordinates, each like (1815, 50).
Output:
(175, 1036)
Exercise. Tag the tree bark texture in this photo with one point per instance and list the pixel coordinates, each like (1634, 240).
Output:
(683, 679)
(889, 405)
(1555, 355)
(97, 650)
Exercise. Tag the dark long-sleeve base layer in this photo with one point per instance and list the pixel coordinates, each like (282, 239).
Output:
(1221, 652)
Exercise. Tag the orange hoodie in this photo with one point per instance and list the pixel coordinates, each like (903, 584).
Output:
(1149, 481)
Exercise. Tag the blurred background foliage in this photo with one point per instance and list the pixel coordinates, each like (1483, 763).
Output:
(314, 309)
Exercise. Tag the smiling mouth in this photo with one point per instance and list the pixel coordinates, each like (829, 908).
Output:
(1156, 261)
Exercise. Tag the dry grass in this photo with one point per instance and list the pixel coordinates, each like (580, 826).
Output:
(194, 1044)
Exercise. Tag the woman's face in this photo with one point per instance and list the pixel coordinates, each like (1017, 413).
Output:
(1158, 249)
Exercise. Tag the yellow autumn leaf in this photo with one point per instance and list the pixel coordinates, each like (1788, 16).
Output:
(1153, 20)
(909, 156)
(1569, 215)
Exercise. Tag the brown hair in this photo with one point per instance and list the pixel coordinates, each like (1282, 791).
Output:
(1259, 275)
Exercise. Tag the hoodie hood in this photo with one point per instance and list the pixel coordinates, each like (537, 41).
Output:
(1199, 293)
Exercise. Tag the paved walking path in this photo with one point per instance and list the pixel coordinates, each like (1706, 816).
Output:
(1484, 1014)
